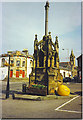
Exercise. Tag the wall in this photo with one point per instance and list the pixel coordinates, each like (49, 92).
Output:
(3, 72)
(29, 65)
(20, 67)
(67, 73)
(27, 69)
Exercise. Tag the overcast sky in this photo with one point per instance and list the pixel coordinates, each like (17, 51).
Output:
(22, 20)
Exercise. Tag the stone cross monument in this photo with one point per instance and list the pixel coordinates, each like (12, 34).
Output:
(46, 60)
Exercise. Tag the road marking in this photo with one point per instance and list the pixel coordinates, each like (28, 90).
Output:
(69, 111)
(57, 109)
(66, 102)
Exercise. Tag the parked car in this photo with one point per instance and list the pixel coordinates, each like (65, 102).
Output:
(67, 79)
(76, 79)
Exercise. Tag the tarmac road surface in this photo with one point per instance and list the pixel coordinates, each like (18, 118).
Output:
(42, 109)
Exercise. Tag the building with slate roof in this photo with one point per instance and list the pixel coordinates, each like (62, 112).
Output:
(68, 69)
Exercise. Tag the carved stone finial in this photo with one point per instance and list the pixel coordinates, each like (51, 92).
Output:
(72, 54)
(36, 37)
(56, 41)
(56, 37)
(72, 51)
(49, 33)
(47, 4)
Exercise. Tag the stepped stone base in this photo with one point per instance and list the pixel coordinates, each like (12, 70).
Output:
(54, 78)
(36, 91)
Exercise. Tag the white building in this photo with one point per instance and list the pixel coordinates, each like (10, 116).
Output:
(66, 69)
(3, 70)
(21, 64)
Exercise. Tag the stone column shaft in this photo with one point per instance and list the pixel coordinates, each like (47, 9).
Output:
(46, 18)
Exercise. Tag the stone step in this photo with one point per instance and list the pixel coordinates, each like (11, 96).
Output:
(39, 98)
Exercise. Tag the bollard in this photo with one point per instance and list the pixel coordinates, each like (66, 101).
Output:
(13, 96)
(24, 88)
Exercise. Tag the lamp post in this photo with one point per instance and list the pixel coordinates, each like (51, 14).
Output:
(67, 52)
(47, 82)
(36, 68)
(71, 70)
(7, 88)
(68, 58)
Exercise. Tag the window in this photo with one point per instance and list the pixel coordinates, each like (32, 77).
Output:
(3, 62)
(31, 63)
(23, 63)
(12, 61)
(18, 63)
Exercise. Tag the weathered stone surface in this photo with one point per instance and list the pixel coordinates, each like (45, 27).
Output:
(36, 91)
(46, 61)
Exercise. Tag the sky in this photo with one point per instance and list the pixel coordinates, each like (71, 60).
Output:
(22, 20)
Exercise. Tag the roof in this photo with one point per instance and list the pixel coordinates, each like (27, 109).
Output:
(79, 57)
(65, 68)
(65, 65)
(16, 53)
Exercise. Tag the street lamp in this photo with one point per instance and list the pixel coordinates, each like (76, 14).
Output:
(36, 67)
(71, 69)
(7, 88)
(68, 58)
(67, 52)
(47, 80)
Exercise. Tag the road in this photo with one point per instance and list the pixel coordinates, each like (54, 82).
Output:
(42, 109)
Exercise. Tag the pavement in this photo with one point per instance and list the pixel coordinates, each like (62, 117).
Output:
(16, 92)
